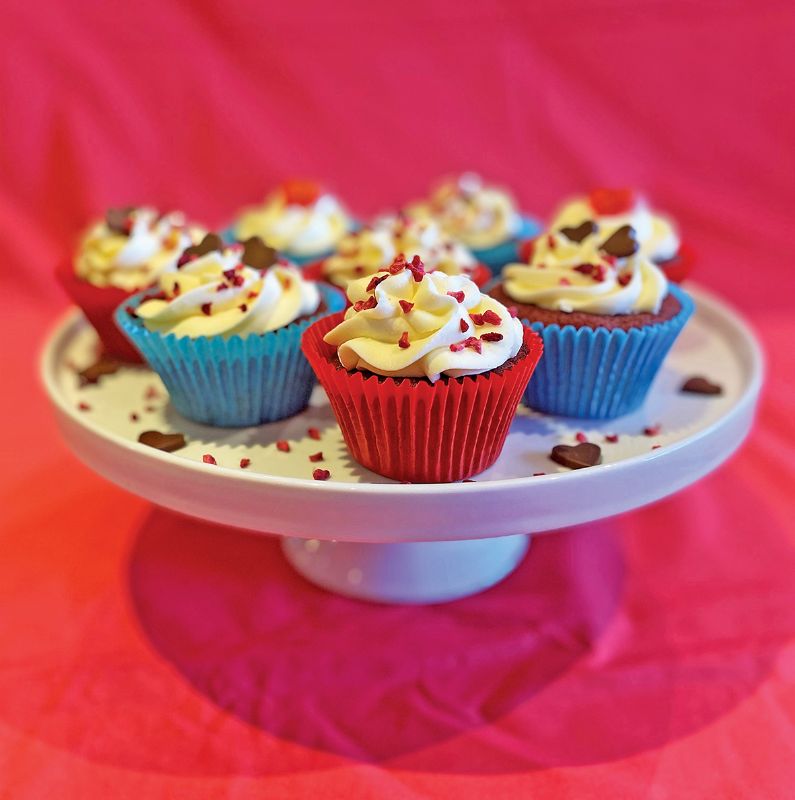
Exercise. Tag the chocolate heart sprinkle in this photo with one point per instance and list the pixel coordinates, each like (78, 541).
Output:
(168, 442)
(211, 241)
(582, 231)
(92, 373)
(257, 254)
(118, 219)
(578, 456)
(622, 243)
(698, 384)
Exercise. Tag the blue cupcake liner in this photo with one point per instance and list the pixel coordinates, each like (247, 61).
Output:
(508, 252)
(596, 373)
(231, 382)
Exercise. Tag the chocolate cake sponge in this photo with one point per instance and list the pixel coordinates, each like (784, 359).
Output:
(578, 319)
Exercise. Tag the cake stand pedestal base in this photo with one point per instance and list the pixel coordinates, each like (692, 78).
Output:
(412, 572)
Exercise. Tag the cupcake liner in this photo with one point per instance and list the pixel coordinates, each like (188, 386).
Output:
(418, 431)
(596, 373)
(681, 265)
(495, 258)
(98, 304)
(231, 382)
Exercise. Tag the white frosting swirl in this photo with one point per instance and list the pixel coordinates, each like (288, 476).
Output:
(216, 295)
(364, 252)
(133, 260)
(570, 276)
(304, 229)
(423, 324)
(656, 234)
(479, 216)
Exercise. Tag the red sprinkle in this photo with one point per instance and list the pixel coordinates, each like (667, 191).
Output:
(611, 201)
(406, 306)
(655, 446)
(476, 318)
(243, 307)
(581, 437)
(252, 295)
(175, 289)
(551, 241)
(206, 308)
(457, 295)
(599, 273)
(313, 433)
(492, 336)
(652, 430)
(283, 445)
(358, 270)
(208, 459)
(564, 282)
(374, 281)
(491, 318)
(134, 417)
(474, 343)
(584, 269)
(83, 407)
(316, 456)
(321, 474)
(398, 265)
(403, 342)
(625, 278)
(222, 287)
(186, 258)
(536, 474)
(464, 325)
(612, 438)
(244, 462)
(513, 311)
(151, 393)
(365, 305)
(457, 347)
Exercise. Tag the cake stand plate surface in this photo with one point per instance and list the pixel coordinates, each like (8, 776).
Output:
(367, 536)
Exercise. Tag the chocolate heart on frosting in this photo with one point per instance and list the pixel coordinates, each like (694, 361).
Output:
(622, 243)
(168, 442)
(211, 241)
(118, 219)
(257, 254)
(585, 454)
(582, 231)
(104, 366)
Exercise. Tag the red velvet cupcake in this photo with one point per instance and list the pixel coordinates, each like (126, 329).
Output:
(424, 373)
(117, 257)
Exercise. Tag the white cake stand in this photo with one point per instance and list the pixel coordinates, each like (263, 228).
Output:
(368, 537)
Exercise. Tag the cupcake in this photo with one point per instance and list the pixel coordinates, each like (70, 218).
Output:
(606, 313)
(300, 220)
(611, 209)
(118, 256)
(362, 253)
(224, 332)
(423, 372)
(484, 218)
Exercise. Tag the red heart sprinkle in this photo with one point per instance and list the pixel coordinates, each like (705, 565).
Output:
(581, 437)
(243, 307)
(316, 456)
(313, 433)
(611, 201)
(321, 474)
(403, 342)
(300, 192)
(208, 459)
(283, 445)
(612, 438)
(406, 306)
(206, 307)
(244, 462)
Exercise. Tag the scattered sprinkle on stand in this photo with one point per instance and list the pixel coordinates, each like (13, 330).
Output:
(209, 459)
(283, 446)
(134, 417)
(313, 433)
(652, 430)
(316, 456)
(321, 474)
(612, 438)
(83, 406)
(244, 463)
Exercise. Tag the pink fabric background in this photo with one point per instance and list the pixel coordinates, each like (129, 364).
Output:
(145, 655)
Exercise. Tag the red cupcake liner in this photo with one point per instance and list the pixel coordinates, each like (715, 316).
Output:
(681, 265)
(98, 304)
(481, 274)
(419, 431)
